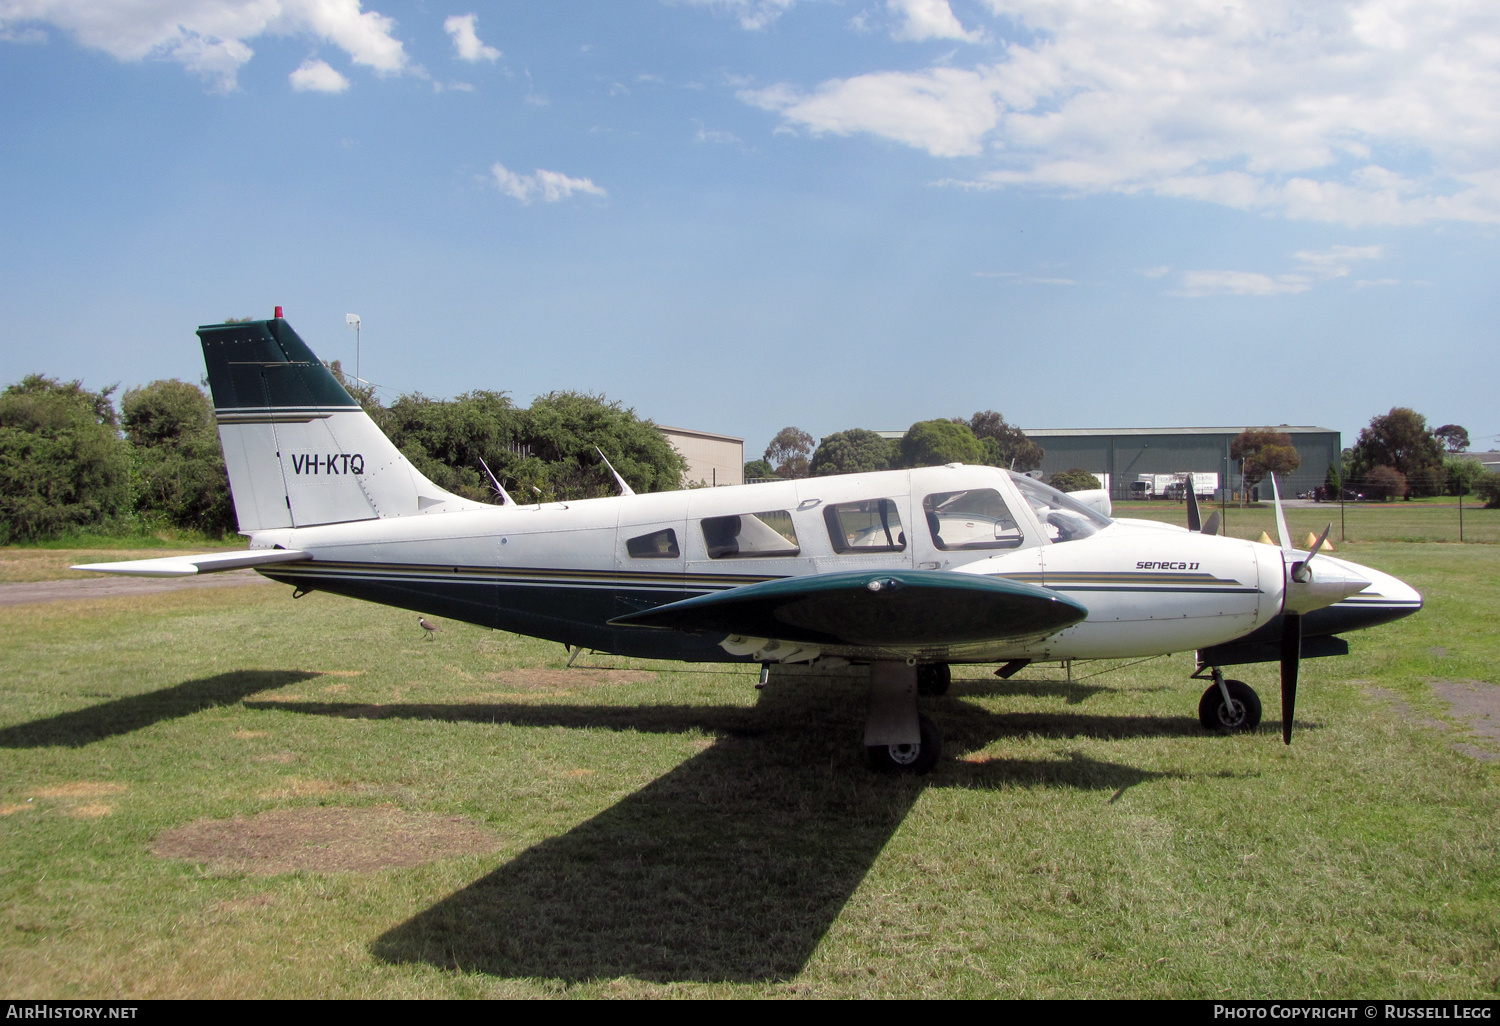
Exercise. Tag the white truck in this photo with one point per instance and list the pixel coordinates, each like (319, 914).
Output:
(1174, 486)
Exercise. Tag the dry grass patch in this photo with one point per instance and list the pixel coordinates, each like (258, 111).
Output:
(246, 735)
(300, 787)
(11, 810)
(324, 840)
(80, 789)
(93, 810)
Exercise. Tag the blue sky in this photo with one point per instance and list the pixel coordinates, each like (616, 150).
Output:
(736, 215)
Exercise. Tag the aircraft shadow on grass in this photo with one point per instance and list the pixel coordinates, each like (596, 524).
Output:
(733, 865)
(123, 715)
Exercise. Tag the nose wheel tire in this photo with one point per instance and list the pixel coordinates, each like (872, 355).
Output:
(933, 679)
(1241, 715)
(918, 758)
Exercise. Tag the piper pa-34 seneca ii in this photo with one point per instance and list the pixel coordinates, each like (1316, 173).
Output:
(906, 571)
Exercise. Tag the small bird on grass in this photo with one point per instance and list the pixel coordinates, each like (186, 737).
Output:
(430, 628)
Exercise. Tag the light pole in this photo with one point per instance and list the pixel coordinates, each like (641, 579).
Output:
(352, 320)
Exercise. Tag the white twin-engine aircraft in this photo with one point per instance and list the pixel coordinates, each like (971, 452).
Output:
(906, 571)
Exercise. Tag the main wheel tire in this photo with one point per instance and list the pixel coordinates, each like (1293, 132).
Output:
(933, 679)
(918, 758)
(1242, 716)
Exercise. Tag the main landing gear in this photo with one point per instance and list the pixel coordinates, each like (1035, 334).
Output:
(899, 739)
(1229, 705)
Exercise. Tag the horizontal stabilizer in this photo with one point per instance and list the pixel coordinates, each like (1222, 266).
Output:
(187, 566)
(873, 608)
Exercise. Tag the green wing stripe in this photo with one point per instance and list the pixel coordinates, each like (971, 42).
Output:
(873, 607)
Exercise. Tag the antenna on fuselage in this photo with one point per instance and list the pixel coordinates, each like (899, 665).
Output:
(505, 499)
(625, 489)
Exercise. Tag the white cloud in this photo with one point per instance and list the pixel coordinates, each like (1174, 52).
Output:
(316, 76)
(752, 14)
(928, 19)
(1313, 265)
(466, 42)
(945, 111)
(1240, 283)
(550, 186)
(1347, 111)
(210, 37)
(1018, 278)
(1334, 262)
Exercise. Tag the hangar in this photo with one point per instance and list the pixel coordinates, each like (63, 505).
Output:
(1124, 453)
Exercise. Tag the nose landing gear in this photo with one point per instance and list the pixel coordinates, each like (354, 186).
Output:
(1229, 705)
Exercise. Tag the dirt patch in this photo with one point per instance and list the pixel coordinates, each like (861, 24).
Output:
(1477, 706)
(325, 840)
(1474, 704)
(80, 789)
(556, 679)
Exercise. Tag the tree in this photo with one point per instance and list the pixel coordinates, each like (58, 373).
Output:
(932, 443)
(788, 452)
(855, 451)
(1400, 440)
(1264, 451)
(1075, 480)
(1005, 445)
(1461, 474)
(180, 475)
(63, 464)
(1487, 486)
(1385, 483)
(446, 438)
(1454, 437)
(562, 430)
(759, 468)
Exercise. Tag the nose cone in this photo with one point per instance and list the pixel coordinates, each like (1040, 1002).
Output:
(1323, 582)
(1386, 598)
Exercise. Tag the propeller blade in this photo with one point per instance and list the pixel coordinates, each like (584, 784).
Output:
(1299, 570)
(1211, 525)
(1195, 516)
(1291, 657)
(1281, 533)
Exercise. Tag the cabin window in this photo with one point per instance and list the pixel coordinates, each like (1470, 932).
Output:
(750, 535)
(873, 525)
(657, 545)
(976, 518)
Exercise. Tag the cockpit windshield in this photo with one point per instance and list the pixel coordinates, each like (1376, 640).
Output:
(1063, 518)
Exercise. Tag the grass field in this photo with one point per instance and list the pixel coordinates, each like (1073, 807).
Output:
(229, 793)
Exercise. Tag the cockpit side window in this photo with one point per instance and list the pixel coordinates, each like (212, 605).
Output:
(1063, 517)
(873, 525)
(751, 535)
(656, 545)
(975, 518)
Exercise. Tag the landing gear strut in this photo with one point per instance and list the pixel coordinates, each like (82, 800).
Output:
(897, 738)
(1229, 705)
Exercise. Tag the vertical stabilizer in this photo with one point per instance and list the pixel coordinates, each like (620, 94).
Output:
(299, 449)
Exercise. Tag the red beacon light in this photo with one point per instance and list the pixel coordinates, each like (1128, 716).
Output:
(278, 313)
